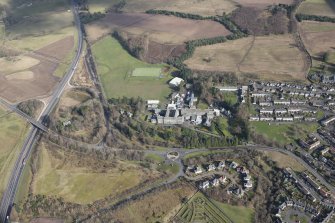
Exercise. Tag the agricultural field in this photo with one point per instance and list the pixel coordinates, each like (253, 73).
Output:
(12, 133)
(155, 207)
(201, 209)
(74, 178)
(318, 7)
(262, 4)
(159, 28)
(204, 7)
(319, 40)
(284, 161)
(39, 42)
(115, 67)
(271, 57)
(283, 133)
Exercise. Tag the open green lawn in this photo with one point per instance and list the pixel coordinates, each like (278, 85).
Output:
(147, 72)
(115, 67)
(318, 7)
(12, 134)
(238, 214)
(283, 133)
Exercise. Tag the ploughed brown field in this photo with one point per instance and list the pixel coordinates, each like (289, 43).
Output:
(273, 57)
(31, 75)
(160, 28)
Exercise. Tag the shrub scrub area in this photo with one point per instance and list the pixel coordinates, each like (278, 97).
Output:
(115, 67)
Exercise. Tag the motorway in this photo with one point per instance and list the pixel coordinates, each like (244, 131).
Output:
(9, 193)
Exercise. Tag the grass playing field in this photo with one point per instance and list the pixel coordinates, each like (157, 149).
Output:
(12, 133)
(115, 66)
(284, 133)
(147, 72)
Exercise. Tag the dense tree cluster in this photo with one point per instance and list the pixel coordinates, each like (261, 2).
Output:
(301, 17)
(30, 107)
(87, 17)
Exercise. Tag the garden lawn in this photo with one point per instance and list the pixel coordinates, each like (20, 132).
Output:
(115, 67)
(284, 133)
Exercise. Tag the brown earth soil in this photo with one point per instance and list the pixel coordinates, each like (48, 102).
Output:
(160, 28)
(59, 49)
(42, 83)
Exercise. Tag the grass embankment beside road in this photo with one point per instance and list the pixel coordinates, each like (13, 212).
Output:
(284, 160)
(12, 133)
(283, 133)
(115, 67)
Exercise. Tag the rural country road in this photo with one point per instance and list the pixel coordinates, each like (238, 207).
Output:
(9, 193)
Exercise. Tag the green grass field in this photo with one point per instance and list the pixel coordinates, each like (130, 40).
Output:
(283, 133)
(12, 133)
(318, 7)
(238, 214)
(201, 209)
(115, 66)
(147, 72)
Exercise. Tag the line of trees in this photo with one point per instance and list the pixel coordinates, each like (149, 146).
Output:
(301, 17)
(87, 17)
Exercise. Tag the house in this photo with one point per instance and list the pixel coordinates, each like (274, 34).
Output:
(215, 182)
(67, 123)
(204, 185)
(248, 184)
(314, 145)
(266, 111)
(221, 165)
(152, 104)
(328, 121)
(247, 178)
(233, 165)
(254, 118)
(223, 179)
(264, 103)
(211, 167)
(198, 170)
(227, 88)
(176, 82)
(324, 151)
(281, 102)
(280, 111)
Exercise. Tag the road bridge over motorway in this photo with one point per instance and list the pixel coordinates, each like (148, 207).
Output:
(33, 121)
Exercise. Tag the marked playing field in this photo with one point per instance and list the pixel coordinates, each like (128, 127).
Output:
(147, 72)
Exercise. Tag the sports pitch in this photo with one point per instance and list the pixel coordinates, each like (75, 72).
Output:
(147, 72)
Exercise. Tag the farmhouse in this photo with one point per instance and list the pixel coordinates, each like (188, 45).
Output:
(176, 82)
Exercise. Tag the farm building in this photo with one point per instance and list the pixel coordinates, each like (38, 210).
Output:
(176, 82)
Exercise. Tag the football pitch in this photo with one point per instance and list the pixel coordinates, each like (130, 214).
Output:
(147, 72)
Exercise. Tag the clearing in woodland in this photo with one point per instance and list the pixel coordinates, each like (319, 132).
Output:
(159, 28)
(82, 179)
(271, 57)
